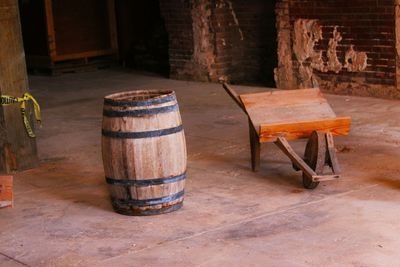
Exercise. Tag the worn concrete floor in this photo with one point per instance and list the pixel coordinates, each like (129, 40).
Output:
(231, 217)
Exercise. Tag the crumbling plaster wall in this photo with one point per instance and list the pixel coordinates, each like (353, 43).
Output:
(340, 46)
(203, 39)
(306, 34)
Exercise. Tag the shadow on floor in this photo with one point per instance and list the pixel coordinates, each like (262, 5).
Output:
(387, 182)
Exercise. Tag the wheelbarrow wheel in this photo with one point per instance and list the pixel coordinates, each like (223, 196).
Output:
(315, 157)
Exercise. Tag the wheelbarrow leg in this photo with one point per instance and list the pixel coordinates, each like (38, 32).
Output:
(331, 154)
(320, 152)
(315, 156)
(255, 148)
(314, 159)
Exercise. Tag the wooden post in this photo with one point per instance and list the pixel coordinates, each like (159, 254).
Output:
(17, 149)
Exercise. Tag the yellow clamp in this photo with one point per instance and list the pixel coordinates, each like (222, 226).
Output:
(8, 100)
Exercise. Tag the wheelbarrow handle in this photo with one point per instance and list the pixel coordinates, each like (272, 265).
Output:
(232, 93)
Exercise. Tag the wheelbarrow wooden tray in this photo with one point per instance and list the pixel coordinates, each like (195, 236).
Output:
(292, 114)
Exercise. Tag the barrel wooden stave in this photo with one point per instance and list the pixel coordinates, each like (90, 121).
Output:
(140, 163)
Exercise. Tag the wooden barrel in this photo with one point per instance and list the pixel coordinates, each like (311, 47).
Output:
(144, 152)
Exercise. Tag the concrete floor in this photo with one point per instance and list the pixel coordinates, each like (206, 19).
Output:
(231, 216)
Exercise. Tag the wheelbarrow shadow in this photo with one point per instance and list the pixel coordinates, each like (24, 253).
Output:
(388, 182)
(274, 172)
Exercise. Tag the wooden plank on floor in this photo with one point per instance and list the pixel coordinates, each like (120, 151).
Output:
(6, 191)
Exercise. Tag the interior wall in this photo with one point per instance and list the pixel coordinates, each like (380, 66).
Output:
(341, 46)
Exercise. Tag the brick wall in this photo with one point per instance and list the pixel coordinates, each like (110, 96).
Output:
(213, 38)
(246, 40)
(178, 21)
(368, 25)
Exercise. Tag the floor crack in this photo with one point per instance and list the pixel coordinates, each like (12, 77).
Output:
(13, 259)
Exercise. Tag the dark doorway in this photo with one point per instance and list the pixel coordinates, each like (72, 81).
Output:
(142, 36)
(257, 57)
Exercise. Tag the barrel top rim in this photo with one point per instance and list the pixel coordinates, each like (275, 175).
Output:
(137, 97)
(159, 94)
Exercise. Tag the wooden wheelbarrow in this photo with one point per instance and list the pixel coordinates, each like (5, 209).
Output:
(282, 115)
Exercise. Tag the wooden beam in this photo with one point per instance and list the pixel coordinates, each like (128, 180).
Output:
(51, 34)
(322, 178)
(283, 144)
(112, 24)
(334, 163)
(17, 149)
(87, 54)
(303, 129)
